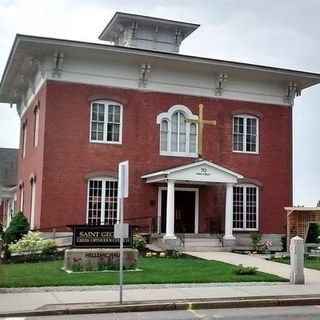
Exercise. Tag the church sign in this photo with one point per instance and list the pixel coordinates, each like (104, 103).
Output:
(86, 236)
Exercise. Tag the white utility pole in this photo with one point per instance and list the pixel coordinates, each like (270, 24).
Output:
(121, 229)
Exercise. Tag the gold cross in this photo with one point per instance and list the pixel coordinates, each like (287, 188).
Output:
(200, 123)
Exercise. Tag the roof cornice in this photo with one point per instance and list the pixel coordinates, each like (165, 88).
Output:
(151, 53)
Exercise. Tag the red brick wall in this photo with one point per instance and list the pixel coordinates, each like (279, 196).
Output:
(69, 157)
(32, 163)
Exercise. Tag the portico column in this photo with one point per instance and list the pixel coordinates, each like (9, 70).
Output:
(170, 211)
(228, 238)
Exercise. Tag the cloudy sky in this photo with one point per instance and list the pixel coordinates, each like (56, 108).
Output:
(280, 33)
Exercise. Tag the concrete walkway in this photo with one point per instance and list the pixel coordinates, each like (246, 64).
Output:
(279, 269)
(22, 302)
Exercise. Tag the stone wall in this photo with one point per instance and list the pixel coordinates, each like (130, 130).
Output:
(78, 260)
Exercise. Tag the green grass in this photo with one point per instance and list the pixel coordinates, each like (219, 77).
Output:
(311, 263)
(153, 271)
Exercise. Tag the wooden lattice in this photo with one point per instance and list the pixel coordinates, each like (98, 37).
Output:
(298, 221)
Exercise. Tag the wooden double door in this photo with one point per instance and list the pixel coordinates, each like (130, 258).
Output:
(184, 211)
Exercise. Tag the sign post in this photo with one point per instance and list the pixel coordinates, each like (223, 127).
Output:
(121, 230)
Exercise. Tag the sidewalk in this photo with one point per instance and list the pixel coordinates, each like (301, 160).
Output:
(17, 302)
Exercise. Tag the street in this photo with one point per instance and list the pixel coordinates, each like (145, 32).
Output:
(275, 313)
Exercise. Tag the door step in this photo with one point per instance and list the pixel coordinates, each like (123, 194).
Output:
(201, 243)
(204, 249)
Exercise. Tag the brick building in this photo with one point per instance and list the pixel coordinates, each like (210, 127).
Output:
(8, 181)
(85, 107)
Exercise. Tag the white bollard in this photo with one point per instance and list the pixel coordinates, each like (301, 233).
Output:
(296, 260)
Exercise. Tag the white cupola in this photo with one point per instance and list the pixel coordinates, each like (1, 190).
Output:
(142, 32)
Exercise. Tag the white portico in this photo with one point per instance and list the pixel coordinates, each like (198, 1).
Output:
(202, 172)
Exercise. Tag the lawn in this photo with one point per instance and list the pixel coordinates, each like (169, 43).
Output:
(154, 270)
(311, 263)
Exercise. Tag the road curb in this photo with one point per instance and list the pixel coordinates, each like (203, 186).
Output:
(188, 304)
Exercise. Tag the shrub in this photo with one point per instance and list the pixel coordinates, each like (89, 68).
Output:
(255, 239)
(77, 267)
(313, 233)
(31, 243)
(139, 242)
(284, 243)
(17, 228)
(264, 247)
(242, 270)
(49, 246)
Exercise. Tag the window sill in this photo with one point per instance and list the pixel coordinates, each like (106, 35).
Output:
(245, 152)
(244, 229)
(105, 142)
(179, 154)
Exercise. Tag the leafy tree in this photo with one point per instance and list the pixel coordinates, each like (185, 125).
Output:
(1, 229)
(314, 231)
(17, 228)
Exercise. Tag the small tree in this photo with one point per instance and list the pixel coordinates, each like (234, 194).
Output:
(314, 231)
(255, 239)
(17, 228)
(1, 230)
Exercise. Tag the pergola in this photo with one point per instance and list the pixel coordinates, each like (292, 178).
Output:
(299, 219)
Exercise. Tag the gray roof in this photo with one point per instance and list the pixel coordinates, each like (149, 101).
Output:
(8, 167)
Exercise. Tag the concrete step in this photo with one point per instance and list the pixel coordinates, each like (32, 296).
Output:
(202, 244)
(204, 249)
(200, 235)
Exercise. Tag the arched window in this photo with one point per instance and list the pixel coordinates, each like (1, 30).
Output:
(102, 201)
(178, 137)
(245, 207)
(106, 122)
(245, 133)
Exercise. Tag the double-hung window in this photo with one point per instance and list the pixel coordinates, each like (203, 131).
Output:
(245, 133)
(102, 201)
(245, 207)
(106, 122)
(178, 134)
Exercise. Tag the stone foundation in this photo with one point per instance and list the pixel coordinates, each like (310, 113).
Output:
(78, 260)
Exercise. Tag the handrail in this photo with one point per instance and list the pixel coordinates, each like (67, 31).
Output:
(182, 238)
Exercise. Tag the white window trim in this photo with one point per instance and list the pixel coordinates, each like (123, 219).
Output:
(36, 127)
(24, 141)
(103, 179)
(196, 206)
(168, 117)
(106, 103)
(21, 198)
(245, 204)
(33, 204)
(246, 116)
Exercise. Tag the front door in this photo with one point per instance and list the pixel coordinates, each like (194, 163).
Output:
(184, 211)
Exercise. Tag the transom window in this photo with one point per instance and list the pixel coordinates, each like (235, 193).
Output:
(106, 122)
(102, 201)
(245, 133)
(177, 136)
(245, 207)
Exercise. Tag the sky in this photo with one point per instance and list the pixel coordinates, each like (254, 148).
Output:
(278, 33)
